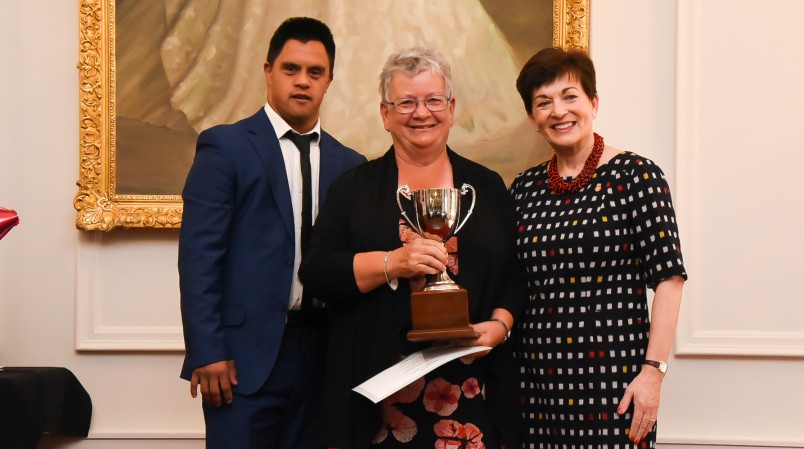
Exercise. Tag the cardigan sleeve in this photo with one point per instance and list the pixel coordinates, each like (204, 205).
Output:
(513, 289)
(327, 269)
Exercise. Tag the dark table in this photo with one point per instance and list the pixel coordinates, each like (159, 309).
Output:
(35, 401)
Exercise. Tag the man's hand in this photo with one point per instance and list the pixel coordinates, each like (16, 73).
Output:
(214, 379)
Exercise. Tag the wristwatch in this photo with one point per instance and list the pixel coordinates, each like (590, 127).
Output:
(661, 366)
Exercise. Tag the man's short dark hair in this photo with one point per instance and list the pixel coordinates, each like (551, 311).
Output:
(303, 29)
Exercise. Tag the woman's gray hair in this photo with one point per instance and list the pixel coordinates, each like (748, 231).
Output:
(410, 62)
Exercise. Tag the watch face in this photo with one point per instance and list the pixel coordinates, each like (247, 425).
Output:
(661, 366)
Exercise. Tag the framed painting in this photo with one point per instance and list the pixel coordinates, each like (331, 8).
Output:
(154, 73)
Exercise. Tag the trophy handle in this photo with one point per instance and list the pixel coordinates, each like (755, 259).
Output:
(405, 190)
(465, 188)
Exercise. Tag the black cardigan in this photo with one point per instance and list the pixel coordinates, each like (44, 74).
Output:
(367, 330)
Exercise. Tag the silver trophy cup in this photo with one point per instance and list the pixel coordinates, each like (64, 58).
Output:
(438, 217)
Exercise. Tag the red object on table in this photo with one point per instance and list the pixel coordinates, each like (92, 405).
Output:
(8, 219)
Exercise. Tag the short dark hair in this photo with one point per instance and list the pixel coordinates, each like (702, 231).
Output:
(303, 29)
(550, 64)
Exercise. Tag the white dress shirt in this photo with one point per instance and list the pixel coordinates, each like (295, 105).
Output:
(293, 169)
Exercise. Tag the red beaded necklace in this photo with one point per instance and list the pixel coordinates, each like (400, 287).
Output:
(559, 186)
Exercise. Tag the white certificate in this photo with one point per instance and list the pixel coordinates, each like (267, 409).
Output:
(411, 368)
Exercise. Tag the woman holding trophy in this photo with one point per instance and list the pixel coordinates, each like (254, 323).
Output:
(367, 256)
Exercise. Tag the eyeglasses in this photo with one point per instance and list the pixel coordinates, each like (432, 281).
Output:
(433, 103)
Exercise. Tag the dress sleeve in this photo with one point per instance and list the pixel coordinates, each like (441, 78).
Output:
(327, 269)
(654, 222)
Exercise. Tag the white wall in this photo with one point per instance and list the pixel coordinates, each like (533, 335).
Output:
(711, 91)
(133, 394)
(680, 82)
(738, 143)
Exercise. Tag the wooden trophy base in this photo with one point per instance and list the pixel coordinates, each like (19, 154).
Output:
(440, 315)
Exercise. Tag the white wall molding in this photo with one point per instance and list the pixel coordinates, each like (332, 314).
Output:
(96, 329)
(695, 335)
(713, 442)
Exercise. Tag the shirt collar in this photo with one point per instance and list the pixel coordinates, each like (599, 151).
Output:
(281, 126)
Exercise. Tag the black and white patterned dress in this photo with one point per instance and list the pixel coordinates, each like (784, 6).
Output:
(590, 256)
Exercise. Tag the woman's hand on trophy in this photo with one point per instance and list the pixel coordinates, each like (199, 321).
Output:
(485, 337)
(489, 333)
(494, 332)
(417, 282)
(418, 257)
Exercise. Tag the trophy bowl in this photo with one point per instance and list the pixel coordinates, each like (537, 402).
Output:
(441, 309)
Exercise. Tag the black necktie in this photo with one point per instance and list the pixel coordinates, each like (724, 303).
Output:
(302, 142)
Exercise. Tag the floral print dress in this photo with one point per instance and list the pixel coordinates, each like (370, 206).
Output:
(440, 410)
(445, 409)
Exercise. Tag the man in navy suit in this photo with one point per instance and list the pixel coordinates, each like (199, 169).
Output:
(254, 343)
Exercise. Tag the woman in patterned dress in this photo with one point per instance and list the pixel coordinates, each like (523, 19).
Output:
(596, 228)
(364, 263)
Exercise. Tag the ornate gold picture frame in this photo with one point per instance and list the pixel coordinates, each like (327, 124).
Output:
(100, 204)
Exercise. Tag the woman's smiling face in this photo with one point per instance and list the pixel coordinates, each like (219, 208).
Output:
(422, 128)
(563, 114)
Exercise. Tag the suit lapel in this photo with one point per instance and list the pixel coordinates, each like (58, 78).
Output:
(263, 139)
(329, 167)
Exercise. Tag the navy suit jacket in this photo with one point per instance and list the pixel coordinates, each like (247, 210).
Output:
(237, 246)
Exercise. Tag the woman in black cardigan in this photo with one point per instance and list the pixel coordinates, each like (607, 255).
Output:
(364, 262)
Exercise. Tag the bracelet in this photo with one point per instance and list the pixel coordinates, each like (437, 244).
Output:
(392, 284)
(505, 326)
